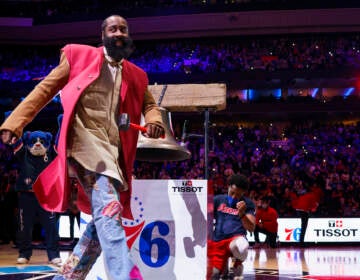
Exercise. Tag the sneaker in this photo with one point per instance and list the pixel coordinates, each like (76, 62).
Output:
(56, 262)
(22, 260)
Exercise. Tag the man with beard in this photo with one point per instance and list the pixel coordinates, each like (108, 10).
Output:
(234, 215)
(97, 85)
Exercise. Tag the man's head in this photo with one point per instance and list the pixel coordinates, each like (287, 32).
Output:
(238, 185)
(115, 37)
(265, 202)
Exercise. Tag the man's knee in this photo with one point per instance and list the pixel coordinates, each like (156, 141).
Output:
(239, 248)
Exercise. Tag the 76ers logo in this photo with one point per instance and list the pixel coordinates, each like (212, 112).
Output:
(292, 234)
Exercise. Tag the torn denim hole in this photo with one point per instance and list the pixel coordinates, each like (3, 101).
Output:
(112, 209)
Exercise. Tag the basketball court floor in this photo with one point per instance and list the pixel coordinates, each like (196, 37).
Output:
(286, 262)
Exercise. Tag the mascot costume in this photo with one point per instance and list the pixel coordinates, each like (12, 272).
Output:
(34, 152)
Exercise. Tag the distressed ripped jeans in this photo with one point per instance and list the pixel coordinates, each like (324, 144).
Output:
(103, 234)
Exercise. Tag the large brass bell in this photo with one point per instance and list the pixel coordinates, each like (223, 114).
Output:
(161, 149)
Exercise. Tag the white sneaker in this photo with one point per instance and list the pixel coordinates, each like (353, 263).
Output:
(56, 262)
(22, 260)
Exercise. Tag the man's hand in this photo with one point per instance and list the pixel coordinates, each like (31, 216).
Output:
(7, 137)
(154, 131)
(241, 206)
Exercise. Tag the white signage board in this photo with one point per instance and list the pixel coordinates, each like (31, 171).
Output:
(168, 234)
(318, 230)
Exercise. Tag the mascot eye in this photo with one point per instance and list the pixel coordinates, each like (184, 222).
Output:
(41, 141)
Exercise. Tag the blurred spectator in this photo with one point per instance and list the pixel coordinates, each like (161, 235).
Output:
(305, 202)
(193, 56)
(266, 223)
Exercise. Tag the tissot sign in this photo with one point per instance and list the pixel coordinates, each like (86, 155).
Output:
(319, 230)
(186, 186)
(167, 237)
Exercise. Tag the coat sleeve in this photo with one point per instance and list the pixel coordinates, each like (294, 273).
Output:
(37, 99)
(151, 110)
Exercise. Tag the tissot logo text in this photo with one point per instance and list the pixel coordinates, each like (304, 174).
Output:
(336, 232)
(187, 189)
(186, 186)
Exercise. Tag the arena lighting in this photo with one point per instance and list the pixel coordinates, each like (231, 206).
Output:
(255, 93)
(251, 94)
(243, 95)
(314, 92)
(348, 92)
(277, 93)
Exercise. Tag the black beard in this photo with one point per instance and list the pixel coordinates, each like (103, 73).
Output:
(118, 52)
